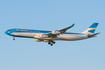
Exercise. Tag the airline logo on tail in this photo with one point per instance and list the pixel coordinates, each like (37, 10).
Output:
(91, 29)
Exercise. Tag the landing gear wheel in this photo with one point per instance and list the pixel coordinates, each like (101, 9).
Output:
(51, 44)
(13, 38)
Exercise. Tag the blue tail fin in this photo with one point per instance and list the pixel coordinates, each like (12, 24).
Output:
(91, 29)
(94, 25)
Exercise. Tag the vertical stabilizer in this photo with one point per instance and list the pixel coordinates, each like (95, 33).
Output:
(91, 29)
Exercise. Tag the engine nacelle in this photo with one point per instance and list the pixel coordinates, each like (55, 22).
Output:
(46, 40)
(41, 36)
(38, 40)
(55, 32)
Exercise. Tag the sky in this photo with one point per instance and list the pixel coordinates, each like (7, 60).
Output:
(26, 54)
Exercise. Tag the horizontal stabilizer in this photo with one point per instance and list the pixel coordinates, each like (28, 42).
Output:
(93, 35)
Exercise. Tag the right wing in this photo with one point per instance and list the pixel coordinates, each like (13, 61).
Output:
(65, 29)
(57, 32)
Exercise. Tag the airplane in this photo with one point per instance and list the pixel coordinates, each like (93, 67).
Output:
(52, 36)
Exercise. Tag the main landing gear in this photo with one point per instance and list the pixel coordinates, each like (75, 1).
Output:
(51, 43)
(13, 38)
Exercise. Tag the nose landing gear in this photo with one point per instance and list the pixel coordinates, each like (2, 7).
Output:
(13, 38)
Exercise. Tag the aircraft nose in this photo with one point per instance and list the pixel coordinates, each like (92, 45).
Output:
(6, 32)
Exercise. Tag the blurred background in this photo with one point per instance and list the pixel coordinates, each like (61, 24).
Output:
(26, 54)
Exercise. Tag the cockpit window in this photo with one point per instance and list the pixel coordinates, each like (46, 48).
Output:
(8, 31)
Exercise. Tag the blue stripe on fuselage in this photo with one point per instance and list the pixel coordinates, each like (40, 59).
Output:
(36, 31)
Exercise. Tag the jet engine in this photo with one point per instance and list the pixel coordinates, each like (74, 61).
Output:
(46, 40)
(56, 32)
(38, 40)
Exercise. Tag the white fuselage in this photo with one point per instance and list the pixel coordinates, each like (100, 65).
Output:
(66, 37)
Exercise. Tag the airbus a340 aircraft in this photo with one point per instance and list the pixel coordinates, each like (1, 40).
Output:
(52, 36)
